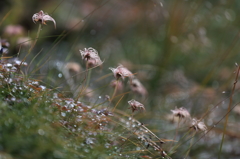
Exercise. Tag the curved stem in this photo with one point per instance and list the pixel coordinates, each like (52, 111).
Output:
(229, 109)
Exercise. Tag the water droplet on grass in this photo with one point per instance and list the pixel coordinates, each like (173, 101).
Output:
(41, 132)
(63, 114)
(86, 150)
(60, 75)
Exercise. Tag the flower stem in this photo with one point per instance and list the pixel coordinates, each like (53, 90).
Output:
(36, 39)
(229, 109)
(114, 92)
(34, 43)
(191, 143)
(86, 81)
(175, 136)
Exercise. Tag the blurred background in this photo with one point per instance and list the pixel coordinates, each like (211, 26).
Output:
(183, 52)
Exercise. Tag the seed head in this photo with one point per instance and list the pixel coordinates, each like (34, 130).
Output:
(181, 112)
(138, 88)
(121, 72)
(91, 56)
(117, 84)
(4, 44)
(12, 30)
(135, 105)
(42, 17)
(198, 125)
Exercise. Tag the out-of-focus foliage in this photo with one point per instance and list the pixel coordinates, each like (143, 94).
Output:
(37, 122)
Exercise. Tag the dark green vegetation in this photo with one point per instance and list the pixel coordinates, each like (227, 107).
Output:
(183, 52)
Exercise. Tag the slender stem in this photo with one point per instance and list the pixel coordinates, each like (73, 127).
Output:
(191, 143)
(34, 43)
(86, 80)
(180, 143)
(114, 92)
(229, 109)
(175, 136)
(117, 103)
(177, 127)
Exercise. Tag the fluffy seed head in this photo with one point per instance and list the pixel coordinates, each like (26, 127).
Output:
(135, 105)
(43, 17)
(117, 84)
(198, 125)
(121, 72)
(91, 56)
(138, 88)
(181, 112)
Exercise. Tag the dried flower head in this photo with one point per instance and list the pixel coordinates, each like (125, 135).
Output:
(1, 48)
(181, 112)
(88, 92)
(198, 125)
(138, 88)
(107, 98)
(4, 44)
(91, 56)
(117, 84)
(121, 72)
(42, 17)
(104, 112)
(24, 41)
(73, 67)
(12, 30)
(135, 105)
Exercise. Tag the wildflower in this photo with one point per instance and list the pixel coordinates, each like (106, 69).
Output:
(24, 41)
(1, 48)
(43, 17)
(135, 105)
(107, 98)
(73, 68)
(4, 45)
(137, 87)
(121, 72)
(12, 30)
(91, 56)
(198, 125)
(117, 84)
(181, 112)
(88, 92)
